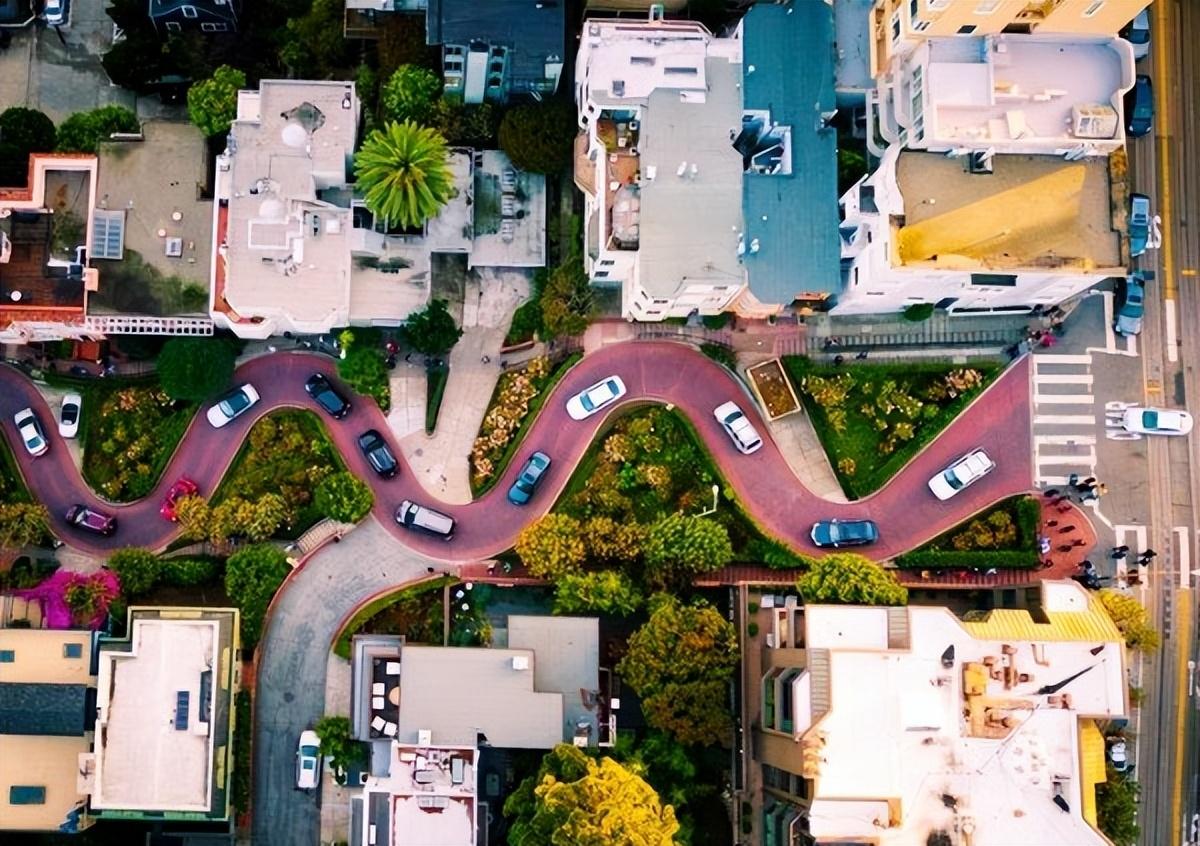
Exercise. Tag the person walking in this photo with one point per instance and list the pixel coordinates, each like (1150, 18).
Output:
(1090, 480)
(1066, 529)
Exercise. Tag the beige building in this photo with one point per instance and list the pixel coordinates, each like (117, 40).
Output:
(899, 25)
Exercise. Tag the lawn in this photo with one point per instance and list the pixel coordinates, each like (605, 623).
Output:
(129, 430)
(1005, 535)
(415, 612)
(873, 418)
(287, 453)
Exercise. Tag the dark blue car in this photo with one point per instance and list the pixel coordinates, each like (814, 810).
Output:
(838, 533)
(533, 471)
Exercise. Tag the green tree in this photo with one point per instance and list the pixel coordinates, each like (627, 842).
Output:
(402, 42)
(574, 800)
(336, 743)
(613, 541)
(552, 547)
(189, 572)
(409, 95)
(432, 330)
(680, 663)
(852, 166)
(1131, 618)
(252, 575)
(22, 131)
(82, 132)
(403, 173)
(465, 124)
(680, 547)
(845, 578)
(567, 299)
(1117, 809)
(538, 137)
(365, 370)
(212, 102)
(313, 46)
(23, 524)
(667, 765)
(194, 369)
(263, 517)
(138, 570)
(344, 497)
(601, 592)
(194, 516)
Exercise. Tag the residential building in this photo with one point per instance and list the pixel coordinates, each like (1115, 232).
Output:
(365, 18)
(177, 16)
(47, 712)
(909, 726)
(294, 249)
(427, 797)
(181, 664)
(707, 163)
(494, 51)
(899, 25)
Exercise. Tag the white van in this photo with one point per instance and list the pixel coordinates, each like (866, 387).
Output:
(422, 519)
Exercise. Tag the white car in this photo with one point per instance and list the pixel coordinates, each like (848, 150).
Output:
(1118, 754)
(308, 760)
(1156, 421)
(55, 12)
(739, 428)
(68, 415)
(232, 405)
(588, 402)
(30, 430)
(966, 471)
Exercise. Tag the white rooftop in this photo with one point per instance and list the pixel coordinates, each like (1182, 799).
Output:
(902, 727)
(432, 794)
(143, 761)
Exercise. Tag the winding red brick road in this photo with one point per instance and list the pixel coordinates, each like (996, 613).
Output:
(907, 513)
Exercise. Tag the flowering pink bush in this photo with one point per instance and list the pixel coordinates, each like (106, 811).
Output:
(74, 600)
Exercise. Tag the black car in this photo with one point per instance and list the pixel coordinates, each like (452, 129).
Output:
(838, 533)
(1139, 107)
(377, 453)
(327, 397)
(90, 520)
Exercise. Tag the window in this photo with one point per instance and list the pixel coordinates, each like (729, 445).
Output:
(1095, 7)
(72, 650)
(913, 9)
(213, 27)
(938, 5)
(190, 12)
(607, 262)
(600, 274)
(1003, 279)
(896, 26)
(966, 30)
(27, 794)
(7, 656)
(173, 26)
(986, 7)
(921, 26)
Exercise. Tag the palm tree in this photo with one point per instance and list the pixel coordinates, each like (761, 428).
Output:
(402, 172)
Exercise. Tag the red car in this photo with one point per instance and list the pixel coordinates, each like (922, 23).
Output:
(183, 487)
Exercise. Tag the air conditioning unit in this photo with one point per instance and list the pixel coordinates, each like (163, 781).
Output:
(520, 662)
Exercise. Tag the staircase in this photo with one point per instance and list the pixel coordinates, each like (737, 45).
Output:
(317, 536)
(141, 324)
(818, 672)
(855, 334)
(897, 628)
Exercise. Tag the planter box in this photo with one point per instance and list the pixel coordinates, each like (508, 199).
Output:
(773, 389)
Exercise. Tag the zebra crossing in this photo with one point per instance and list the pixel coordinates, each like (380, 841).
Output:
(1064, 419)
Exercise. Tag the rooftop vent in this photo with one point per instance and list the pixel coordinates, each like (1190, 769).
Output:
(520, 662)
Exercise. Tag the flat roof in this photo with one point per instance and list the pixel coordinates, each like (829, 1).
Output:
(51, 763)
(41, 656)
(433, 795)
(440, 692)
(988, 733)
(508, 236)
(567, 651)
(533, 32)
(1032, 211)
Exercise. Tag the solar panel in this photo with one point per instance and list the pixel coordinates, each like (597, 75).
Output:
(182, 698)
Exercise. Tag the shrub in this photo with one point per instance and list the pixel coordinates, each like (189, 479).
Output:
(435, 388)
(252, 575)
(189, 572)
(212, 102)
(432, 330)
(344, 497)
(409, 94)
(752, 629)
(681, 547)
(602, 592)
(519, 393)
(918, 312)
(137, 570)
(22, 131)
(847, 578)
(365, 371)
(552, 547)
(82, 132)
(538, 137)
(721, 354)
(195, 369)
(23, 524)
(938, 559)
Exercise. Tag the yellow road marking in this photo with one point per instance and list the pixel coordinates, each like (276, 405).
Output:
(1159, 12)
(1188, 271)
(1182, 635)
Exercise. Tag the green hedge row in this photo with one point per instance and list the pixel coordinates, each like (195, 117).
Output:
(1001, 559)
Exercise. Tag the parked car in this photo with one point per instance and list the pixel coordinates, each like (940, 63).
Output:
(55, 12)
(1139, 224)
(966, 471)
(1156, 421)
(1118, 754)
(182, 487)
(31, 432)
(422, 519)
(308, 760)
(68, 415)
(838, 533)
(1137, 33)
(327, 397)
(531, 474)
(588, 402)
(91, 520)
(739, 428)
(378, 453)
(1131, 297)
(1139, 107)
(232, 405)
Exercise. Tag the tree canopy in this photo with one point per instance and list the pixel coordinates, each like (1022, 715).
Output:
(82, 132)
(680, 663)
(1131, 618)
(344, 497)
(313, 46)
(680, 547)
(845, 578)
(138, 570)
(23, 524)
(552, 547)
(574, 800)
(22, 131)
(538, 137)
(567, 299)
(252, 575)
(1117, 808)
(336, 743)
(432, 330)
(365, 370)
(403, 173)
(602, 592)
(212, 102)
(194, 369)
(409, 95)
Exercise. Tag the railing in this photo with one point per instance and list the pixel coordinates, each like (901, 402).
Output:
(141, 324)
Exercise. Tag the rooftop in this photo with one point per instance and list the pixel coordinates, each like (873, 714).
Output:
(1033, 211)
(439, 693)
(968, 725)
(532, 32)
(510, 214)
(431, 793)
(568, 662)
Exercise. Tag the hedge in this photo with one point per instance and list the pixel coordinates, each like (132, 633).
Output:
(985, 559)
(435, 388)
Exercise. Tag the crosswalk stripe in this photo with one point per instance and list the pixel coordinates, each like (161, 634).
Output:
(1063, 399)
(1056, 358)
(1081, 440)
(1064, 379)
(1064, 420)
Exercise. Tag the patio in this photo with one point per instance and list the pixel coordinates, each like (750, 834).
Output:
(385, 698)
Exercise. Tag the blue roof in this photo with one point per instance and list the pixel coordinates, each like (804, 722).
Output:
(791, 49)
(43, 709)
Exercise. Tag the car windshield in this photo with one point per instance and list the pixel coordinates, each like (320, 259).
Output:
(233, 404)
(308, 751)
(70, 413)
(1150, 419)
(952, 478)
(835, 534)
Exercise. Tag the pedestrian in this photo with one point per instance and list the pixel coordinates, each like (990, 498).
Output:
(1084, 491)
(991, 572)
(1090, 480)
(1078, 542)
(1123, 548)
(1044, 545)
(1051, 494)
(1063, 509)
(1073, 480)
(1087, 566)
(408, 358)
(839, 360)
(1051, 523)
(829, 343)
(487, 359)
(1100, 490)
(862, 356)
(1065, 529)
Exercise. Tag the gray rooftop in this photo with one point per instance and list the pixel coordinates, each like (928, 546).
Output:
(852, 23)
(798, 239)
(689, 223)
(55, 710)
(531, 33)
(568, 661)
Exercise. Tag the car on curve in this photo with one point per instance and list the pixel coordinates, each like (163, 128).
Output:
(739, 428)
(68, 415)
(378, 454)
(1131, 305)
(1156, 421)
(31, 432)
(587, 402)
(183, 487)
(418, 518)
(838, 533)
(308, 760)
(1137, 33)
(91, 520)
(327, 396)
(1138, 224)
(531, 474)
(962, 473)
(232, 405)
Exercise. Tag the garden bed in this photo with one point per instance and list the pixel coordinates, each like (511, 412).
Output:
(435, 388)
(775, 393)
(1004, 536)
(873, 418)
(415, 612)
(518, 397)
(12, 484)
